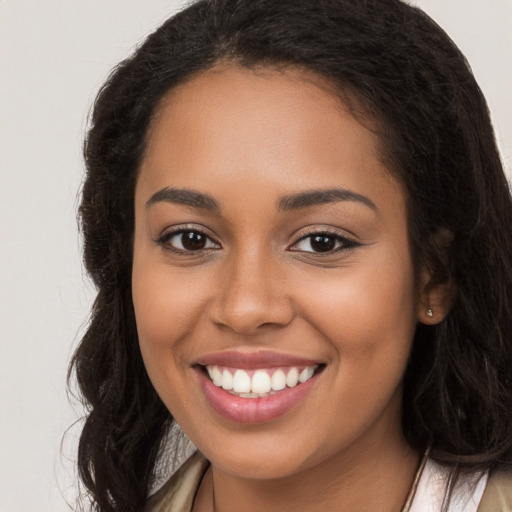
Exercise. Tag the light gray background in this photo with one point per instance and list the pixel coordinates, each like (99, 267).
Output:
(54, 55)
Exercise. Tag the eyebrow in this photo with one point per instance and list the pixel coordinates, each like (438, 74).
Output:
(186, 197)
(315, 197)
(286, 203)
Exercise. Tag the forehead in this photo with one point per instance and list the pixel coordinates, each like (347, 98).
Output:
(281, 129)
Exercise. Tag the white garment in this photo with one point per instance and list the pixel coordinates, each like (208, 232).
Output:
(433, 487)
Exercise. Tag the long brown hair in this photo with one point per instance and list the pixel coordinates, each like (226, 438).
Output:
(413, 84)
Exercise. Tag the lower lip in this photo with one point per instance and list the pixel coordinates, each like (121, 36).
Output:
(253, 410)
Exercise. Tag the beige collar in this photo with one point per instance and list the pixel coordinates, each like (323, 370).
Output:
(426, 495)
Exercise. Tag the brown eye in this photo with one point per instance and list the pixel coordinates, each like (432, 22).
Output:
(187, 241)
(193, 241)
(318, 243)
(322, 243)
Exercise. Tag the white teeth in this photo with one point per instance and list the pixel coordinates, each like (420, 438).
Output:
(216, 376)
(261, 382)
(227, 380)
(278, 380)
(306, 374)
(241, 382)
(292, 378)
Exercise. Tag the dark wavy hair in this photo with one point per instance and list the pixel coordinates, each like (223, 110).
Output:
(399, 72)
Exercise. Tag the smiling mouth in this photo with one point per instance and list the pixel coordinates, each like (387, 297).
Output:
(261, 382)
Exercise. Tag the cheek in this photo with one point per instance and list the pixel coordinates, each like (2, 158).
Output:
(167, 308)
(369, 320)
(369, 317)
(168, 311)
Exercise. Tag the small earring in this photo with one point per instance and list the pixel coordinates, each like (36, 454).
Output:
(429, 313)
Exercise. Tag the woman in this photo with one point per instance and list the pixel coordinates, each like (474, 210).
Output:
(301, 234)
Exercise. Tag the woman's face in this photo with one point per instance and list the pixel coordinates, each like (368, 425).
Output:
(271, 244)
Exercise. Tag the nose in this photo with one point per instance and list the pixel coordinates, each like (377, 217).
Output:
(252, 296)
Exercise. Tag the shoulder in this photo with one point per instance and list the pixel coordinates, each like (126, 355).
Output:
(497, 496)
(178, 493)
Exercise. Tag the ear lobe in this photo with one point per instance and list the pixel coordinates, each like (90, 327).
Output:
(436, 298)
(437, 289)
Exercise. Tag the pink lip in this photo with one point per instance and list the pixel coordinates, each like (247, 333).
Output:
(251, 360)
(253, 410)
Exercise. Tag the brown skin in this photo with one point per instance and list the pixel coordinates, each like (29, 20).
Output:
(247, 139)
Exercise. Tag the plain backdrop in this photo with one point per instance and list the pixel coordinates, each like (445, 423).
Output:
(54, 55)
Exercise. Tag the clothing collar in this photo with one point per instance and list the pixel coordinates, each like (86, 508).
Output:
(432, 483)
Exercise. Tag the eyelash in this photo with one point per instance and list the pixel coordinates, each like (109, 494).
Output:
(344, 243)
(165, 240)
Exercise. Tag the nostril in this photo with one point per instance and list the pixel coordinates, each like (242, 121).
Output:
(249, 318)
(249, 299)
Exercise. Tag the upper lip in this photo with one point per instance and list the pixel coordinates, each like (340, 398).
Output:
(250, 360)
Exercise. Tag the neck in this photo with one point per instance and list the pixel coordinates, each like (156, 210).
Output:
(374, 479)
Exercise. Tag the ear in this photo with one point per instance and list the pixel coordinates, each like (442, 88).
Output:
(435, 298)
